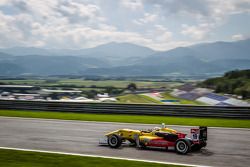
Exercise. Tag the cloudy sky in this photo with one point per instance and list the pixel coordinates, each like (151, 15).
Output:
(159, 24)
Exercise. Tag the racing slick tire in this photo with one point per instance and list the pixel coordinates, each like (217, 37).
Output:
(196, 147)
(142, 145)
(114, 141)
(182, 146)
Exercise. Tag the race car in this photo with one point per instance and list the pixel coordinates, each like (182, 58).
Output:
(162, 137)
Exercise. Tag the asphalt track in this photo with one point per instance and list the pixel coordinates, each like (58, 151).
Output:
(226, 147)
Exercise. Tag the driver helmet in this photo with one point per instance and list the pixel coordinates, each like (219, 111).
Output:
(157, 128)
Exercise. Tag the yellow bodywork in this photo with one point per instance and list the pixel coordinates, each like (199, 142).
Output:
(130, 134)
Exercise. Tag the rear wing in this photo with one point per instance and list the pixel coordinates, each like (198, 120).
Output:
(199, 134)
(203, 133)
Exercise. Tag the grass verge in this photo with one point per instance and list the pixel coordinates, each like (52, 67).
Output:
(135, 98)
(167, 96)
(14, 158)
(212, 122)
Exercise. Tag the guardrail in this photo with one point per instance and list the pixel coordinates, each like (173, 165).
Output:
(137, 109)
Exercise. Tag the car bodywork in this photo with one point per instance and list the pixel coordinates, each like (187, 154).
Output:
(159, 137)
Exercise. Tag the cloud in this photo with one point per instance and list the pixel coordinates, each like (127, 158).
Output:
(181, 8)
(197, 32)
(159, 24)
(79, 12)
(48, 23)
(148, 18)
(237, 37)
(163, 46)
(206, 15)
(132, 4)
(61, 24)
(161, 33)
(201, 9)
(4, 2)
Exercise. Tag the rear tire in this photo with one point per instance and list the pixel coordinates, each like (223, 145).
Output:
(114, 141)
(182, 146)
(196, 147)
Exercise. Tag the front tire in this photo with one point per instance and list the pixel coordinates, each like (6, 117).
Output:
(182, 146)
(114, 141)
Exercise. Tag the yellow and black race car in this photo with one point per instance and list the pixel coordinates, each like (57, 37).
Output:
(158, 137)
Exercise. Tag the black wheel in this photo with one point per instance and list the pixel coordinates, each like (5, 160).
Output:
(196, 147)
(182, 146)
(114, 141)
(204, 144)
(132, 142)
(142, 145)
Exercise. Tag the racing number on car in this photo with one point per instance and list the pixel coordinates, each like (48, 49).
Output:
(195, 134)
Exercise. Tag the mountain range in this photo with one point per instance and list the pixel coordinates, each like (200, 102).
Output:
(126, 59)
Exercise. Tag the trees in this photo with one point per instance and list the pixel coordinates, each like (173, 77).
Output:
(132, 86)
(238, 74)
(245, 94)
(113, 91)
(233, 82)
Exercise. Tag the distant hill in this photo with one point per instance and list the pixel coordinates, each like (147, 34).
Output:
(111, 49)
(10, 69)
(159, 66)
(233, 82)
(24, 51)
(117, 54)
(223, 50)
(121, 50)
(119, 59)
(209, 58)
(47, 65)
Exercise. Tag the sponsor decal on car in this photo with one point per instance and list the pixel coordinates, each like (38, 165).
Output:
(158, 142)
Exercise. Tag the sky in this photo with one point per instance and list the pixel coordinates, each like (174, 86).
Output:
(158, 24)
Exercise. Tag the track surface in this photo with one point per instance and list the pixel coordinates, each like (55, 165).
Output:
(226, 147)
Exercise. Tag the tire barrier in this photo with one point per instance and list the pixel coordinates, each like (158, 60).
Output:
(136, 109)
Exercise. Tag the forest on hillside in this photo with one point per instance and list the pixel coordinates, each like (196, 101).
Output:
(233, 82)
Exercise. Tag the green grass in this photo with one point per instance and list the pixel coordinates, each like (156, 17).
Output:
(88, 83)
(117, 83)
(134, 98)
(151, 99)
(24, 82)
(13, 158)
(212, 122)
(167, 96)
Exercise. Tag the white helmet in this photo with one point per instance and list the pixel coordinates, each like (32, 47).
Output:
(156, 128)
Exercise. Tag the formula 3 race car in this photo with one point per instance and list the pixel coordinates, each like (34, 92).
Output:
(158, 137)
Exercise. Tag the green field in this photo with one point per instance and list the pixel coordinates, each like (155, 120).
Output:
(167, 96)
(212, 122)
(13, 158)
(115, 83)
(140, 98)
(89, 83)
(135, 98)
(24, 82)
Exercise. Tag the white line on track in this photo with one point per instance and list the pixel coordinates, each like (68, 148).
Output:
(118, 123)
(101, 156)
